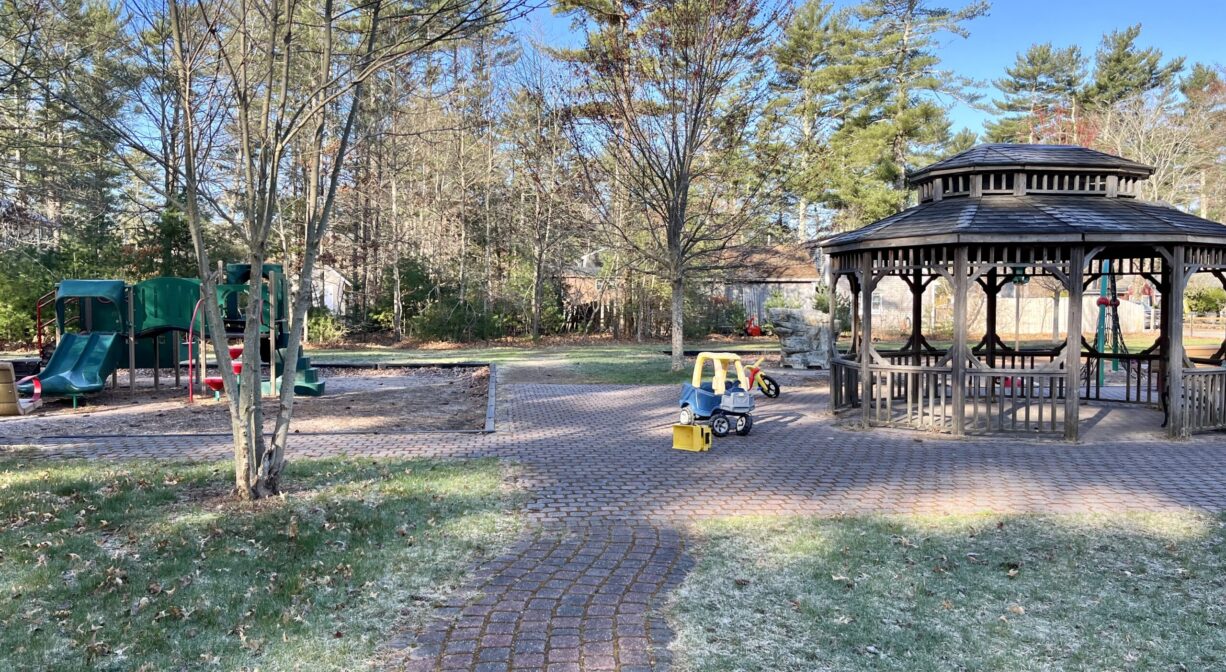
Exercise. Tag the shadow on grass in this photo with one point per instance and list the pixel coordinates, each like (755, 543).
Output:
(119, 567)
(960, 592)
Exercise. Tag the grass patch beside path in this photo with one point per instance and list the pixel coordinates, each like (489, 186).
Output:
(956, 593)
(154, 567)
(619, 364)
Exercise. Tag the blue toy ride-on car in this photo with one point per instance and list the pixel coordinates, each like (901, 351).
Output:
(722, 403)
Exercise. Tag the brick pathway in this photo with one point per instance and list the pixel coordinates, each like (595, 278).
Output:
(568, 598)
(611, 502)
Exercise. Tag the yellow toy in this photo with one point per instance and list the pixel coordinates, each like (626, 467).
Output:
(694, 438)
(720, 402)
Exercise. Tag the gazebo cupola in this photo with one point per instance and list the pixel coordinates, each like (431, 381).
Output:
(1018, 170)
(1001, 214)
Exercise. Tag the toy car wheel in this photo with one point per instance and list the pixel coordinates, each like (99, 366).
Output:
(769, 387)
(686, 417)
(720, 425)
(744, 423)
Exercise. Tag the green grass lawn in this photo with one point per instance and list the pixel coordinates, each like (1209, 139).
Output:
(136, 567)
(1143, 592)
(630, 363)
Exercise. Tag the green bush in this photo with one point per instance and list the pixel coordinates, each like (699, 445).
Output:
(16, 326)
(842, 308)
(28, 275)
(705, 314)
(1207, 300)
(324, 327)
(778, 300)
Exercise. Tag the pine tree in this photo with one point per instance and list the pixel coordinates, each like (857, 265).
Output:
(1121, 69)
(815, 63)
(902, 44)
(1038, 93)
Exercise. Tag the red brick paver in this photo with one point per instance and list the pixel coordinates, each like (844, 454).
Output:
(594, 453)
(610, 501)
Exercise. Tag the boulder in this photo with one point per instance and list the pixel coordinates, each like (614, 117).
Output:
(804, 337)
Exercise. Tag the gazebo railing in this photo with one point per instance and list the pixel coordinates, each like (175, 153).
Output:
(1014, 400)
(1024, 393)
(844, 382)
(1202, 404)
(1141, 372)
(918, 397)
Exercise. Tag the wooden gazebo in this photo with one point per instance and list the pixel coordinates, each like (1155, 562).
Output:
(999, 214)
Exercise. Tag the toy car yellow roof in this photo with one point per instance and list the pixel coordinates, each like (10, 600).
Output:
(719, 356)
(720, 361)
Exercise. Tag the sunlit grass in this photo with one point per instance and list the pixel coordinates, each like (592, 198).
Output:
(1124, 592)
(157, 568)
(644, 364)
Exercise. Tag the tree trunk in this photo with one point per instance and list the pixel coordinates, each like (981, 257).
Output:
(397, 303)
(678, 323)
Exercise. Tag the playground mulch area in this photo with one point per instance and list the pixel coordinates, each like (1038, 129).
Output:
(356, 400)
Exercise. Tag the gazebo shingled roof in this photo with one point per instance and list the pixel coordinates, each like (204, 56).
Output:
(1057, 218)
(1002, 214)
(1028, 157)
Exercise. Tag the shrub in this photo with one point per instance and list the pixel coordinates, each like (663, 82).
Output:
(778, 300)
(1207, 300)
(324, 327)
(842, 308)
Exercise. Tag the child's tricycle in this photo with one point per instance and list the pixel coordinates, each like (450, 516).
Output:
(722, 403)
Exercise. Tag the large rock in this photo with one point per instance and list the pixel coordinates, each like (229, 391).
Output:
(803, 334)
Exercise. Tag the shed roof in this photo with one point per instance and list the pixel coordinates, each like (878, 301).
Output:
(1002, 155)
(1033, 217)
(784, 262)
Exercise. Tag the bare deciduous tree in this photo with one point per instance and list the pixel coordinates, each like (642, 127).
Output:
(671, 93)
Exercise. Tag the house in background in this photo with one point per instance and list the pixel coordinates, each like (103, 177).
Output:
(328, 289)
(748, 277)
(789, 270)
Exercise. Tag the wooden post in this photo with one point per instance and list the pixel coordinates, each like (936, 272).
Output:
(992, 292)
(833, 340)
(1072, 345)
(1176, 425)
(957, 361)
(917, 315)
(272, 332)
(131, 342)
(866, 338)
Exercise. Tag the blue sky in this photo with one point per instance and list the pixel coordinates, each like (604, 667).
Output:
(1192, 28)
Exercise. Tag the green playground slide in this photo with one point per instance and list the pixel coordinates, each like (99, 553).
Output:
(79, 365)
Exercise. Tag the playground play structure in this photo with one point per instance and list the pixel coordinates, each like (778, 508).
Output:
(102, 326)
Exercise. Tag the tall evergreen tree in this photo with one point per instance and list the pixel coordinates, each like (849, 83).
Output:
(816, 63)
(1038, 94)
(1121, 69)
(902, 45)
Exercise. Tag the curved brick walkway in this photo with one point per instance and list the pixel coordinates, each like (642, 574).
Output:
(570, 598)
(610, 502)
